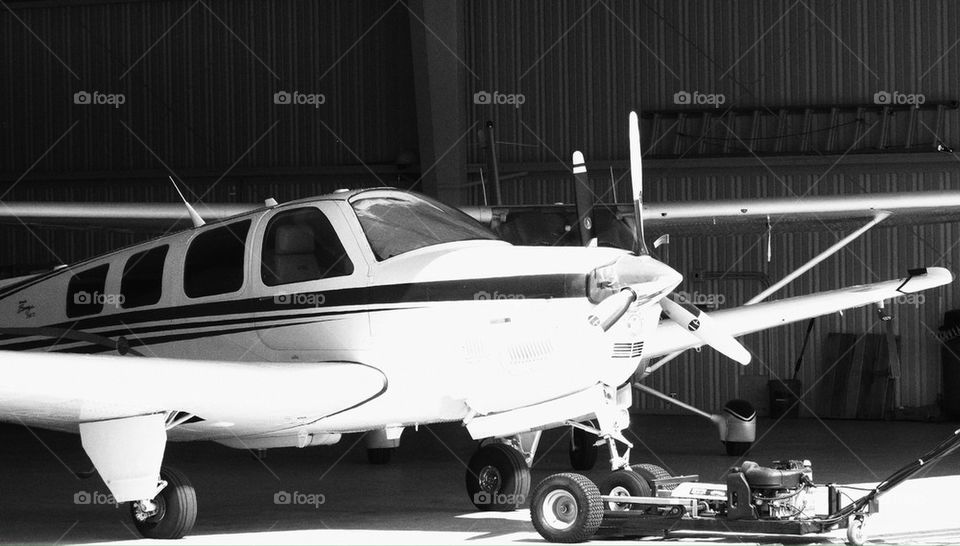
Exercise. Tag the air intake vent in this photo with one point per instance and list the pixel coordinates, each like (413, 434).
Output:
(627, 350)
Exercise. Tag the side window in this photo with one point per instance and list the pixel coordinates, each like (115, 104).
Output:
(214, 262)
(85, 292)
(142, 281)
(301, 245)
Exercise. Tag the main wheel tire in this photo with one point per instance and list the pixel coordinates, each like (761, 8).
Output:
(624, 483)
(651, 472)
(737, 449)
(176, 508)
(379, 455)
(566, 508)
(583, 452)
(498, 478)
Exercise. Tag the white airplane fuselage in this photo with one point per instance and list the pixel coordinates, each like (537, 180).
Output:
(456, 329)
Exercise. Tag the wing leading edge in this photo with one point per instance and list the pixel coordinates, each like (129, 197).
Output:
(59, 391)
(670, 337)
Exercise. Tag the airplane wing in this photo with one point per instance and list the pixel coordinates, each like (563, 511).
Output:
(738, 321)
(58, 391)
(115, 214)
(915, 207)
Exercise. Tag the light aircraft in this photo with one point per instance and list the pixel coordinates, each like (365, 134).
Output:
(361, 311)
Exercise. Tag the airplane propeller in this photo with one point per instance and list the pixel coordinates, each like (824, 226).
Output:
(609, 311)
(688, 316)
(705, 328)
(584, 198)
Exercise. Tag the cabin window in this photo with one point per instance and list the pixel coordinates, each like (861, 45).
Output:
(142, 281)
(214, 262)
(397, 222)
(301, 245)
(85, 292)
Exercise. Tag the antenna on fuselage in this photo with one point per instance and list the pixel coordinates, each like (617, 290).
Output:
(194, 216)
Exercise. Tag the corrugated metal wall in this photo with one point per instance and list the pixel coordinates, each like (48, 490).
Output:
(199, 81)
(583, 64)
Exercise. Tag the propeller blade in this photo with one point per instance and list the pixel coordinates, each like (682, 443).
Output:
(708, 330)
(584, 197)
(636, 181)
(609, 311)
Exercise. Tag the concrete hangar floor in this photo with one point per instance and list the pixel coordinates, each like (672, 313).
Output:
(419, 497)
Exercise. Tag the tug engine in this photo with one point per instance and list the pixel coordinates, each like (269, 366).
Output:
(779, 492)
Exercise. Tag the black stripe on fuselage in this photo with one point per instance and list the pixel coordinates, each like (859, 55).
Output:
(526, 287)
(56, 336)
(185, 336)
(518, 287)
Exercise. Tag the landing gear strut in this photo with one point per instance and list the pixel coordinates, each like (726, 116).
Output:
(172, 513)
(583, 449)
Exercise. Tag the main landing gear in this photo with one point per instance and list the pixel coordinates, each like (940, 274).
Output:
(172, 513)
(498, 474)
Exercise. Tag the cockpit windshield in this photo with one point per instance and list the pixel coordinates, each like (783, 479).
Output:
(396, 222)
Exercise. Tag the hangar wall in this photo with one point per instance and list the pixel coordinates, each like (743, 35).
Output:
(582, 64)
(199, 89)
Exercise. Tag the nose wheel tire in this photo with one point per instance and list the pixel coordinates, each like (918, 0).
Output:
(176, 508)
(583, 452)
(497, 478)
(623, 483)
(566, 508)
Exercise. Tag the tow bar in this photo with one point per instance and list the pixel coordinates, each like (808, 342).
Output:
(569, 507)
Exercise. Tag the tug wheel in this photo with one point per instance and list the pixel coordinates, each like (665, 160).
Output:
(624, 483)
(651, 472)
(855, 533)
(566, 508)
